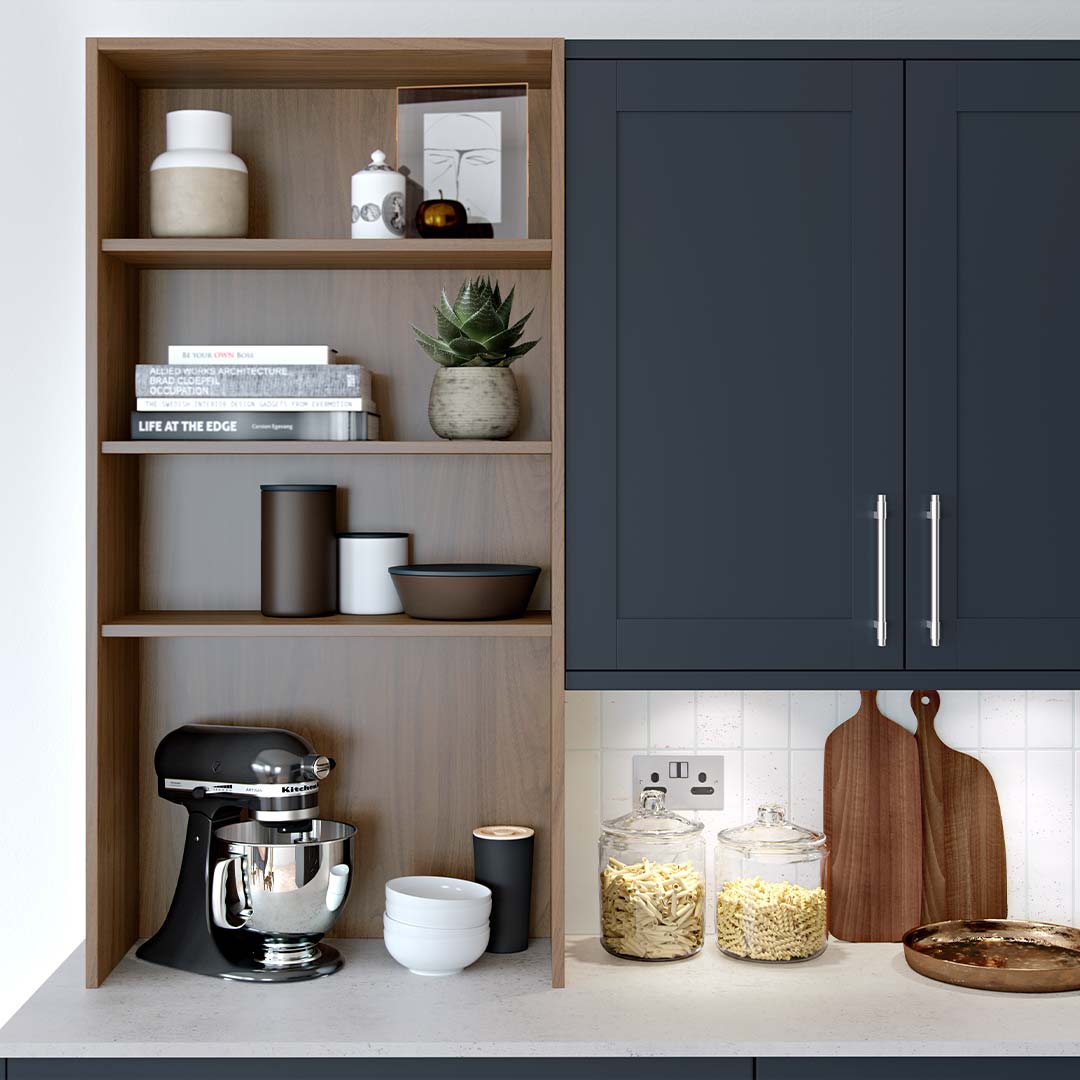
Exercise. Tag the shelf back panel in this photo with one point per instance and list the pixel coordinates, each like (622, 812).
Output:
(432, 738)
(301, 148)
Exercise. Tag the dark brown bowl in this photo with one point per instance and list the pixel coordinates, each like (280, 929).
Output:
(465, 590)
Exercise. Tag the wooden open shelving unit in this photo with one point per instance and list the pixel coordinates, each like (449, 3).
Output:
(438, 727)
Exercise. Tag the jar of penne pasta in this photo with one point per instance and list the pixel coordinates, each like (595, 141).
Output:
(652, 883)
(771, 881)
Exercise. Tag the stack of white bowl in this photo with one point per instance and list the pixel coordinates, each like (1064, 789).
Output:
(436, 925)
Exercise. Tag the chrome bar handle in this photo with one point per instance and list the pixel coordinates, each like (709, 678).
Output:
(935, 570)
(881, 514)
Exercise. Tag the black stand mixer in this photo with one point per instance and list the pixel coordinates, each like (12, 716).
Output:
(254, 897)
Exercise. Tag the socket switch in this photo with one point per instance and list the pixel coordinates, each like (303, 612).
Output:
(692, 782)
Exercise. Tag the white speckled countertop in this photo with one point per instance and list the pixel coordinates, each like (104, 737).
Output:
(854, 1000)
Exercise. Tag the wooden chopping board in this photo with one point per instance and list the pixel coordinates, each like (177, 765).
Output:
(963, 841)
(873, 821)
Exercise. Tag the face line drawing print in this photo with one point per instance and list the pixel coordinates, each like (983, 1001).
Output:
(463, 160)
(461, 157)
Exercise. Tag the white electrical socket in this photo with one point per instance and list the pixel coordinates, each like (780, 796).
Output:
(692, 782)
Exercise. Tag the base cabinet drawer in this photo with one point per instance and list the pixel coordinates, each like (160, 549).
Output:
(1001, 1068)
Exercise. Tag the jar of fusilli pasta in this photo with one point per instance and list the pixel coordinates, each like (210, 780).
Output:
(652, 883)
(771, 885)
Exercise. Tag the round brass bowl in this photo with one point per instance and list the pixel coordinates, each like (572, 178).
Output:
(997, 954)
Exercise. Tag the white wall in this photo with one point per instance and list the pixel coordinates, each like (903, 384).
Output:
(41, 304)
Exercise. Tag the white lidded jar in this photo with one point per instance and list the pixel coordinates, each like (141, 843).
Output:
(365, 586)
(198, 187)
(378, 201)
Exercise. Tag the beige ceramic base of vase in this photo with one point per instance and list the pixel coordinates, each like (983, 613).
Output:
(474, 403)
(199, 202)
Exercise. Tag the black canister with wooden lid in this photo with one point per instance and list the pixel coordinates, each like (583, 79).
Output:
(299, 550)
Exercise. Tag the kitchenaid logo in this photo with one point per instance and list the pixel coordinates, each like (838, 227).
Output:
(262, 791)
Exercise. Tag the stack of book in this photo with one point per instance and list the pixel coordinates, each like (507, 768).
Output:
(253, 392)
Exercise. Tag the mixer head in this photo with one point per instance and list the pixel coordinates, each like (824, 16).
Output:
(272, 772)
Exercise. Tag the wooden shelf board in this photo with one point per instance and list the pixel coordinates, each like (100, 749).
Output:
(300, 446)
(315, 254)
(329, 62)
(160, 624)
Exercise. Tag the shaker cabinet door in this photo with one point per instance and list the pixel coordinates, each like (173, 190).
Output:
(734, 364)
(993, 377)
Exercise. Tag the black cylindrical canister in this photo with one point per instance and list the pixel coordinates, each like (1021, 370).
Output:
(299, 550)
(502, 860)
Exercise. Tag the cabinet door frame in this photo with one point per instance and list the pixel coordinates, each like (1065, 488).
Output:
(597, 91)
(938, 92)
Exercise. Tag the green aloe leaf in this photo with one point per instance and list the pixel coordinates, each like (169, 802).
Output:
(474, 295)
(435, 349)
(506, 306)
(465, 347)
(483, 324)
(448, 310)
(446, 327)
(516, 351)
(500, 342)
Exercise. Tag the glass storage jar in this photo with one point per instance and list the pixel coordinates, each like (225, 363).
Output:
(771, 883)
(652, 883)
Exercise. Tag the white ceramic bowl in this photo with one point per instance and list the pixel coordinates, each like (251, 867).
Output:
(433, 951)
(443, 902)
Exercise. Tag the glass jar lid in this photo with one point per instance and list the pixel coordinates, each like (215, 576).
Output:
(652, 820)
(378, 163)
(772, 833)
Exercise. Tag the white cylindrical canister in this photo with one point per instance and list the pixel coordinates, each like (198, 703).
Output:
(198, 187)
(378, 201)
(364, 583)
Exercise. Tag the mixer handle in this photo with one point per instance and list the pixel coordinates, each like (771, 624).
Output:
(217, 895)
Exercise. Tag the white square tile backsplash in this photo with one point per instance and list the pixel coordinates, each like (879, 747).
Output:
(772, 743)
(625, 719)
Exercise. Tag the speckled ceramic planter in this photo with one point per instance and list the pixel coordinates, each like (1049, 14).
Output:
(474, 403)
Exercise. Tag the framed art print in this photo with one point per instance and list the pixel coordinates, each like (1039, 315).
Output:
(469, 143)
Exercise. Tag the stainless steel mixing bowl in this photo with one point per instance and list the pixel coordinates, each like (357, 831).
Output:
(286, 883)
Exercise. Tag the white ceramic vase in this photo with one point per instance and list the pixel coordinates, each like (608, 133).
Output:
(198, 187)
(474, 403)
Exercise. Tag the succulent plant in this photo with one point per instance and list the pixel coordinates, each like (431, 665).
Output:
(475, 330)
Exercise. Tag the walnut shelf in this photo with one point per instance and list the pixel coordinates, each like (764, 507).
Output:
(331, 254)
(283, 446)
(171, 624)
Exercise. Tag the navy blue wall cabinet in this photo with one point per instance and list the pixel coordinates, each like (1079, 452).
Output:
(749, 366)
